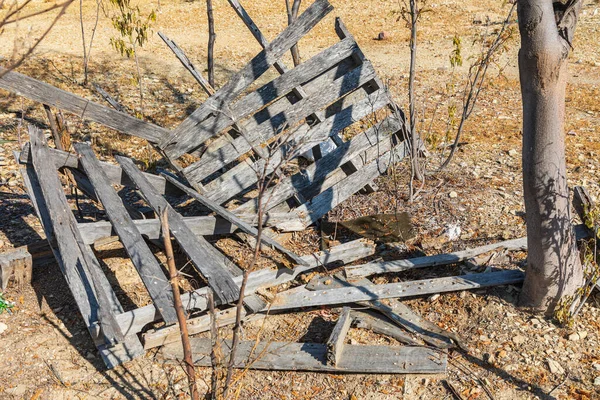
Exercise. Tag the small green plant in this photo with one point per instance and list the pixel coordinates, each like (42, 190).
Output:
(5, 305)
(134, 30)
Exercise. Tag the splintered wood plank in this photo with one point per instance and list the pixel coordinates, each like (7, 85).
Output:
(141, 256)
(95, 298)
(47, 94)
(235, 220)
(367, 320)
(243, 175)
(282, 356)
(288, 117)
(187, 135)
(114, 173)
(396, 290)
(17, 264)
(134, 321)
(325, 172)
(335, 343)
(205, 257)
(382, 267)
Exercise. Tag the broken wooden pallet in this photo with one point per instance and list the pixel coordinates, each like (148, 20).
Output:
(235, 134)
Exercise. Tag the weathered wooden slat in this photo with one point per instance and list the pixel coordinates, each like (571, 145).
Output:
(244, 175)
(47, 94)
(204, 256)
(235, 220)
(292, 115)
(335, 343)
(97, 302)
(187, 133)
(366, 320)
(397, 312)
(324, 173)
(185, 61)
(143, 260)
(16, 263)
(109, 99)
(132, 322)
(382, 267)
(114, 173)
(285, 356)
(397, 290)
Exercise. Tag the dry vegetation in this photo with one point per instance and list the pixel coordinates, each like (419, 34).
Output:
(46, 352)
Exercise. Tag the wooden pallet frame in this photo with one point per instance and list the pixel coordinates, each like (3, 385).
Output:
(232, 130)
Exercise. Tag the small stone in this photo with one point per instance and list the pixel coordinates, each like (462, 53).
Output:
(3, 327)
(453, 194)
(502, 354)
(573, 337)
(513, 153)
(555, 367)
(489, 358)
(434, 297)
(596, 366)
(582, 334)
(597, 381)
(519, 339)
(383, 35)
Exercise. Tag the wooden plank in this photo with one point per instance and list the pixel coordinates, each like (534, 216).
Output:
(235, 220)
(286, 356)
(114, 173)
(134, 321)
(324, 173)
(290, 116)
(204, 256)
(382, 267)
(189, 135)
(397, 312)
(335, 343)
(92, 292)
(109, 99)
(396, 290)
(243, 175)
(44, 93)
(143, 260)
(366, 320)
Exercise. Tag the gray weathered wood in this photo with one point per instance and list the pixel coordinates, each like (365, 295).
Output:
(145, 263)
(17, 264)
(244, 175)
(335, 343)
(396, 290)
(47, 94)
(187, 132)
(382, 267)
(235, 220)
(91, 290)
(292, 115)
(114, 173)
(285, 356)
(134, 321)
(397, 312)
(366, 320)
(109, 99)
(204, 256)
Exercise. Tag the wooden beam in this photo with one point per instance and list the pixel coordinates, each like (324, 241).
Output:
(285, 356)
(142, 258)
(335, 343)
(203, 255)
(44, 93)
(366, 320)
(396, 290)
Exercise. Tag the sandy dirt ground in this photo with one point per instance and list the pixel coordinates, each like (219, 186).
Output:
(46, 351)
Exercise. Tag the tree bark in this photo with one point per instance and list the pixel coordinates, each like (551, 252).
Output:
(211, 43)
(553, 266)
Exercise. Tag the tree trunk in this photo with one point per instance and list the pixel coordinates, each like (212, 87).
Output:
(553, 266)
